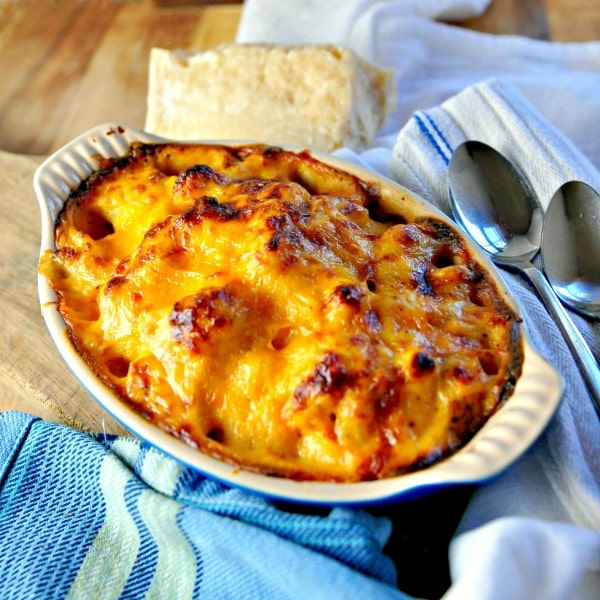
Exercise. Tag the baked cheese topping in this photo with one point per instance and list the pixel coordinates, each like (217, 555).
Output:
(270, 309)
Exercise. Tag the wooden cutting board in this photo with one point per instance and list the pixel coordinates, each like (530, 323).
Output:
(33, 377)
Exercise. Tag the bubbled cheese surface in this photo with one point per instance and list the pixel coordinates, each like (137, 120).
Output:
(259, 305)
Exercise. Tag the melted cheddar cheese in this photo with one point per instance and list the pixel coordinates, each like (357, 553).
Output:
(280, 313)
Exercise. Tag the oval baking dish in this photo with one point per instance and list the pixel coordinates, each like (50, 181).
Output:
(504, 437)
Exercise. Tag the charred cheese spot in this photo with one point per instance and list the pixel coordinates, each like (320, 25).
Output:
(193, 181)
(350, 294)
(195, 318)
(330, 376)
(282, 338)
(463, 374)
(212, 208)
(280, 313)
(422, 364)
(118, 366)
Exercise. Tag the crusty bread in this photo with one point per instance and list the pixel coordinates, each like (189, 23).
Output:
(317, 96)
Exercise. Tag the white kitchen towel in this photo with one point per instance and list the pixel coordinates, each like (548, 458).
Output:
(333, 21)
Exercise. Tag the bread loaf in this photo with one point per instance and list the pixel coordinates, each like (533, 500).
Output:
(316, 96)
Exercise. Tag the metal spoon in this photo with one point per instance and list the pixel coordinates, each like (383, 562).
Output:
(495, 205)
(571, 246)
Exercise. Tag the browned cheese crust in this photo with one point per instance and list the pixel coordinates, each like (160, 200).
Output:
(280, 313)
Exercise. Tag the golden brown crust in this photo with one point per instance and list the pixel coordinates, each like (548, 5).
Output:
(247, 301)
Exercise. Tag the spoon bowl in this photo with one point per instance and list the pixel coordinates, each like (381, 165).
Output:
(494, 203)
(571, 246)
(496, 206)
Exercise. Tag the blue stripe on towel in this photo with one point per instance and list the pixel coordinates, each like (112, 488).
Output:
(431, 132)
(440, 135)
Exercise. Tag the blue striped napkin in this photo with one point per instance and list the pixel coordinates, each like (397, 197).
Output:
(102, 517)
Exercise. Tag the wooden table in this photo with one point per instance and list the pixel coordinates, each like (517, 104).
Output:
(69, 65)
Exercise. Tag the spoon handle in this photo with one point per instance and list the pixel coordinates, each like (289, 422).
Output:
(581, 351)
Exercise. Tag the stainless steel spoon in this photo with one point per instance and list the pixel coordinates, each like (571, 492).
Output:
(495, 205)
(571, 246)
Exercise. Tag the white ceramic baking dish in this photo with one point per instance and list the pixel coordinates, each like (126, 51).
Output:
(505, 437)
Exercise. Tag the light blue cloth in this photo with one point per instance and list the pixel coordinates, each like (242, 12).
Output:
(97, 517)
